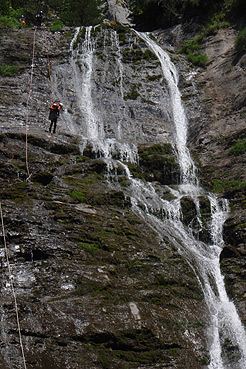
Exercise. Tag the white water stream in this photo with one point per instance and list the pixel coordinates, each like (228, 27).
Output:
(101, 144)
(166, 216)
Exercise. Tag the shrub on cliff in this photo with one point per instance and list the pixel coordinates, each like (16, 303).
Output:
(83, 12)
(71, 12)
(8, 70)
(56, 25)
(239, 148)
(9, 17)
(198, 59)
(152, 14)
(240, 44)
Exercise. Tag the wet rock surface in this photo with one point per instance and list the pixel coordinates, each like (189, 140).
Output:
(223, 170)
(95, 284)
(96, 287)
(215, 127)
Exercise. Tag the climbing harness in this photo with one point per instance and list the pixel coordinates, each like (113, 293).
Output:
(12, 288)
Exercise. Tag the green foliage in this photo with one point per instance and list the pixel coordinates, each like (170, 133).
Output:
(149, 55)
(152, 14)
(79, 196)
(220, 185)
(154, 77)
(240, 44)
(9, 22)
(133, 94)
(104, 359)
(4, 7)
(70, 12)
(122, 38)
(239, 148)
(214, 26)
(56, 26)
(191, 47)
(10, 18)
(198, 59)
(8, 70)
(80, 12)
(88, 246)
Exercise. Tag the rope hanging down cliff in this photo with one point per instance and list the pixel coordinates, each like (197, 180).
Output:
(30, 90)
(28, 99)
(12, 288)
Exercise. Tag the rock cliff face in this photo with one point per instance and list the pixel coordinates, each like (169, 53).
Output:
(221, 125)
(223, 91)
(96, 286)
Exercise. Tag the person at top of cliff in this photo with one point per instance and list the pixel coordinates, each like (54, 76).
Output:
(22, 19)
(39, 19)
(54, 114)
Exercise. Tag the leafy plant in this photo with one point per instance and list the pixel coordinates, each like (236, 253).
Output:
(9, 22)
(133, 94)
(240, 44)
(154, 77)
(220, 186)
(83, 12)
(198, 59)
(79, 196)
(88, 246)
(8, 70)
(239, 148)
(56, 26)
(191, 47)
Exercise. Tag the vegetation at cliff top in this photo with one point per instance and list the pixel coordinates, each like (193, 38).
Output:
(148, 14)
(154, 14)
(70, 12)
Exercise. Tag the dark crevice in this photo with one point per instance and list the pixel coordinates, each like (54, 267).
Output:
(34, 255)
(29, 334)
(228, 253)
(139, 341)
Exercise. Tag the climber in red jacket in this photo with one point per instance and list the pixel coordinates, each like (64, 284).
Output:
(54, 114)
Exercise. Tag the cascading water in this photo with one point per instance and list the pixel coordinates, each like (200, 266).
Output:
(166, 216)
(95, 134)
(225, 321)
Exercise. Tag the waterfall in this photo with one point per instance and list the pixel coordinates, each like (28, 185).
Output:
(120, 64)
(166, 216)
(95, 134)
(119, 61)
(179, 118)
(85, 57)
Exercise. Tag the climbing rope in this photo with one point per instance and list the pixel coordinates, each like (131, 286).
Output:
(28, 178)
(12, 288)
(48, 61)
(30, 90)
(10, 160)
(28, 98)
